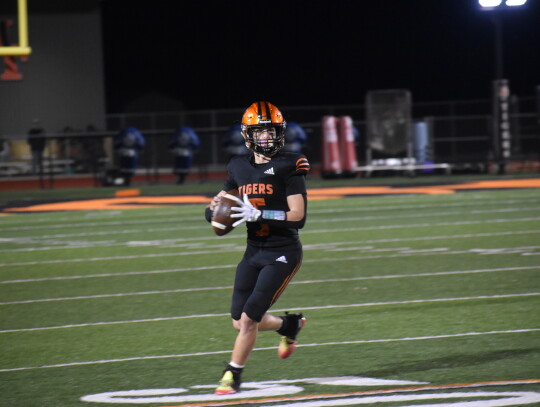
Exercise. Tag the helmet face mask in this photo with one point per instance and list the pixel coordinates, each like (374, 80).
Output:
(263, 128)
(266, 140)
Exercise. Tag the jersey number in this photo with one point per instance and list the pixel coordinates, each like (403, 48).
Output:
(257, 203)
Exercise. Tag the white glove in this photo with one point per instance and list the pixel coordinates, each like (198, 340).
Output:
(246, 212)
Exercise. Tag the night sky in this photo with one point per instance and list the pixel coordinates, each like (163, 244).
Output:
(229, 53)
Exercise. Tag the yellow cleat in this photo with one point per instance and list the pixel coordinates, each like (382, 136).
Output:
(229, 384)
(287, 345)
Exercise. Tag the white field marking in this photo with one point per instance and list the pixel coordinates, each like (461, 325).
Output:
(122, 274)
(99, 224)
(322, 220)
(421, 215)
(422, 206)
(60, 244)
(150, 255)
(96, 296)
(367, 248)
(286, 390)
(107, 215)
(315, 231)
(312, 308)
(273, 348)
(405, 252)
(465, 399)
(115, 232)
(318, 246)
(417, 225)
(232, 266)
(133, 321)
(162, 243)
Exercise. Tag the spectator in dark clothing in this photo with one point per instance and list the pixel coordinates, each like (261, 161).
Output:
(184, 143)
(128, 144)
(37, 141)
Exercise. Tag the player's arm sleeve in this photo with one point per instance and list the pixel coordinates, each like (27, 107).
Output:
(279, 219)
(296, 185)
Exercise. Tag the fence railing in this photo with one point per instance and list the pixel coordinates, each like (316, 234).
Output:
(460, 132)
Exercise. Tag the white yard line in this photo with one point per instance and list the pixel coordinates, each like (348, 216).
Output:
(213, 238)
(97, 224)
(198, 226)
(426, 206)
(97, 296)
(220, 352)
(404, 253)
(311, 308)
(150, 255)
(128, 273)
(232, 266)
(96, 216)
(181, 242)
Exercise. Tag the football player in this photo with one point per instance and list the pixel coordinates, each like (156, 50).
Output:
(272, 185)
(184, 142)
(128, 144)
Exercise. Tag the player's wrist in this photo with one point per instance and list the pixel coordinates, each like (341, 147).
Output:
(273, 215)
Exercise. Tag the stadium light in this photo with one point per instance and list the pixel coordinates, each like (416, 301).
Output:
(501, 91)
(496, 6)
(500, 4)
(512, 3)
(489, 3)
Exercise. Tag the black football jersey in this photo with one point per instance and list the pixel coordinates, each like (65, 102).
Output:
(267, 186)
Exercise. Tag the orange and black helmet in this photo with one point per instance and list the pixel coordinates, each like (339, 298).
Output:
(259, 116)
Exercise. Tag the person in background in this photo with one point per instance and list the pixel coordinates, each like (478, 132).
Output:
(274, 206)
(184, 143)
(5, 150)
(295, 137)
(128, 143)
(36, 139)
(233, 143)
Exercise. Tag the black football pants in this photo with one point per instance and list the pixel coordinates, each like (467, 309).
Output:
(261, 277)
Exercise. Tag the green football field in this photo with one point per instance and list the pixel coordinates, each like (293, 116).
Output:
(410, 300)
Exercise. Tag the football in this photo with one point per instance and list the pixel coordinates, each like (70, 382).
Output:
(222, 223)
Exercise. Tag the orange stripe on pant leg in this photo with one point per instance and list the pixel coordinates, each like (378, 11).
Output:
(285, 283)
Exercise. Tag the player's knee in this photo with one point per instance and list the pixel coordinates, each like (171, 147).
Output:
(247, 324)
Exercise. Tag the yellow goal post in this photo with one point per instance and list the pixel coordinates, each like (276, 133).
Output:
(23, 49)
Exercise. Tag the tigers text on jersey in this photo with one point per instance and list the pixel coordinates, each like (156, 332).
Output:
(267, 186)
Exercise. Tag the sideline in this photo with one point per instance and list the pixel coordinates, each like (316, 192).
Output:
(138, 202)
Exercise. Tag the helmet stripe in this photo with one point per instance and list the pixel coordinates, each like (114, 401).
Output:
(268, 111)
(259, 111)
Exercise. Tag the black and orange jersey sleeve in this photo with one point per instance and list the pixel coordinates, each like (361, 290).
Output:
(302, 165)
(296, 180)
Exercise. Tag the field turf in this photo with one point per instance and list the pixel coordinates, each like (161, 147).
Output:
(435, 290)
